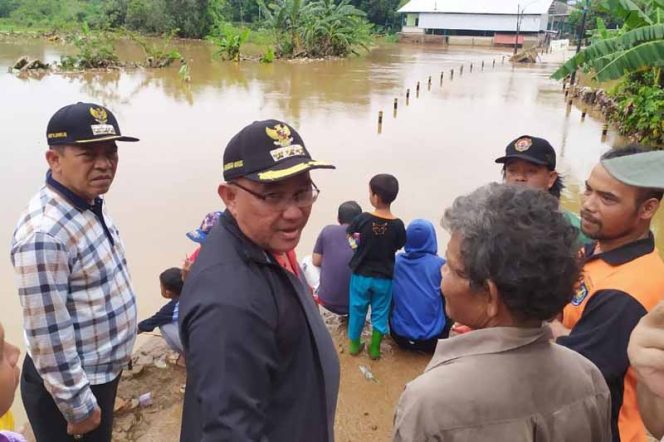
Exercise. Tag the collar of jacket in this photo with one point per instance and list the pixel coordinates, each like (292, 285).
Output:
(622, 254)
(487, 341)
(75, 200)
(249, 249)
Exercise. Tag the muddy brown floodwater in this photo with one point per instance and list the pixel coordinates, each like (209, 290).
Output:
(439, 146)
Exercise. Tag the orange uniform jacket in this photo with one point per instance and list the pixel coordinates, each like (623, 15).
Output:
(617, 289)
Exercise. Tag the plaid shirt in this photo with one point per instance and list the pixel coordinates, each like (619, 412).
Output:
(79, 308)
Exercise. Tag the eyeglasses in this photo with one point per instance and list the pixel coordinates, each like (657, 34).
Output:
(280, 200)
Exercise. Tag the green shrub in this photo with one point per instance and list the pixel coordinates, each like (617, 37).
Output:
(230, 42)
(158, 54)
(639, 108)
(268, 56)
(95, 50)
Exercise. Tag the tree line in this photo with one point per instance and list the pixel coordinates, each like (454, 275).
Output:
(191, 18)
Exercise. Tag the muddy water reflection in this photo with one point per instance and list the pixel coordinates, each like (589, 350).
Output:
(441, 145)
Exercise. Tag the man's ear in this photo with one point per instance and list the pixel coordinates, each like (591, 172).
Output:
(493, 302)
(649, 208)
(53, 159)
(553, 176)
(228, 195)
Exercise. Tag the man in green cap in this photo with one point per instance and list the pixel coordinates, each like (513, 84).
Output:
(623, 275)
(646, 345)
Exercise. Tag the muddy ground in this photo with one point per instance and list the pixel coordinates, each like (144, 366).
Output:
(364, 412)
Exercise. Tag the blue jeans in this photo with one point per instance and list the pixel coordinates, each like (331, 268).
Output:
(368, 291)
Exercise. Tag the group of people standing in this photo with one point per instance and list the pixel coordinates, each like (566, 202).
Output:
(545, 354)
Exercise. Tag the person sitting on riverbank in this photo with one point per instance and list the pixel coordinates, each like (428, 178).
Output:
(418, 318)
(531, 161)
(9, 380)
(332, 253)
(511, 265)
(378, 236)
(166, 318)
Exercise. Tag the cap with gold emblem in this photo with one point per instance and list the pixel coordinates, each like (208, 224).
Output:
(83, 123)
(532, 149)
(267, 151)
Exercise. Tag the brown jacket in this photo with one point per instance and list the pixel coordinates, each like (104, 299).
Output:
(505, 384)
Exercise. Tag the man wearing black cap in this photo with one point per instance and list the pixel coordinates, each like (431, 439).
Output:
(79, 308)
(531, 161)
(260, 363)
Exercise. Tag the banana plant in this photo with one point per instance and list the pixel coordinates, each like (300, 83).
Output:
(638, 47)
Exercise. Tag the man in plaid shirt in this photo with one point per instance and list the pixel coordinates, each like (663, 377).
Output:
(79, 308)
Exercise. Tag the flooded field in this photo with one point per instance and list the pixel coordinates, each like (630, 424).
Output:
(439, 146)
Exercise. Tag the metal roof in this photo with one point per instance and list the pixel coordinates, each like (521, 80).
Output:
(478, 6)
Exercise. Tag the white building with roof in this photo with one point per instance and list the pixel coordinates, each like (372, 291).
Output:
(493, 19)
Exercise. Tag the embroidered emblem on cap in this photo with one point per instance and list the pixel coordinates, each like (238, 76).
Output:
(523, 144)
(100, 115)
(280, 134)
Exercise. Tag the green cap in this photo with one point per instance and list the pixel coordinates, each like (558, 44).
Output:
(639, 170)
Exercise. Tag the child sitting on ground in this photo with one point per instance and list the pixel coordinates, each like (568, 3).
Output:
(418, 317)
(377, 236)
(167, 317)
(9, 379)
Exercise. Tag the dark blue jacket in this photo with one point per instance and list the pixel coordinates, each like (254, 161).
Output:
(261, 365)
(162, 317)
(418, 311)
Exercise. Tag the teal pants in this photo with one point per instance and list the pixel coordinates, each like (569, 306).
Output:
(367, 291)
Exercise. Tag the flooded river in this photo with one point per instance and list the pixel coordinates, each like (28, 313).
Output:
(439, 146)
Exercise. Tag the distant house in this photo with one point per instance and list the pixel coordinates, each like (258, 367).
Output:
(485, 21)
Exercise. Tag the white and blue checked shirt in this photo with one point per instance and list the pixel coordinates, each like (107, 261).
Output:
(79, 308)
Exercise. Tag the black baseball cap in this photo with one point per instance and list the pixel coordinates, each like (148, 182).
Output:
(268, 151)
(533, 149)
(83, 123)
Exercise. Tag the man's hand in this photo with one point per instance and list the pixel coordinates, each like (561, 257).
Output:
(646, 350)
(186, 267)
(87, 425)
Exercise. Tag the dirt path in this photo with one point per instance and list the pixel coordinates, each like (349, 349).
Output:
(364, 413)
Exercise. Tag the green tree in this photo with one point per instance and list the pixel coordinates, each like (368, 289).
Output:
(638, 46)
(149, 16)
(331, 28)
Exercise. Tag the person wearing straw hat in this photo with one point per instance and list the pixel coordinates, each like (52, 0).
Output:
(623, 276)
(79, 307)
(261, 364)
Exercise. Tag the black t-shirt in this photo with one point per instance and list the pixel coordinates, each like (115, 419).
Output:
(377, 241)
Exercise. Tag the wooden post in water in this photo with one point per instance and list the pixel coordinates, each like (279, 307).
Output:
(460, 70)
(451, 74)
(407, 96)
(396, 104)
(482, 64)
(441, 78)
(429, 83)
(380, 121)
(494, 64)
(503, 62)
(417, 90)
(471, 68)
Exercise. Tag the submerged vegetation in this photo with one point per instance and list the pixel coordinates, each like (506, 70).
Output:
(282, 28)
